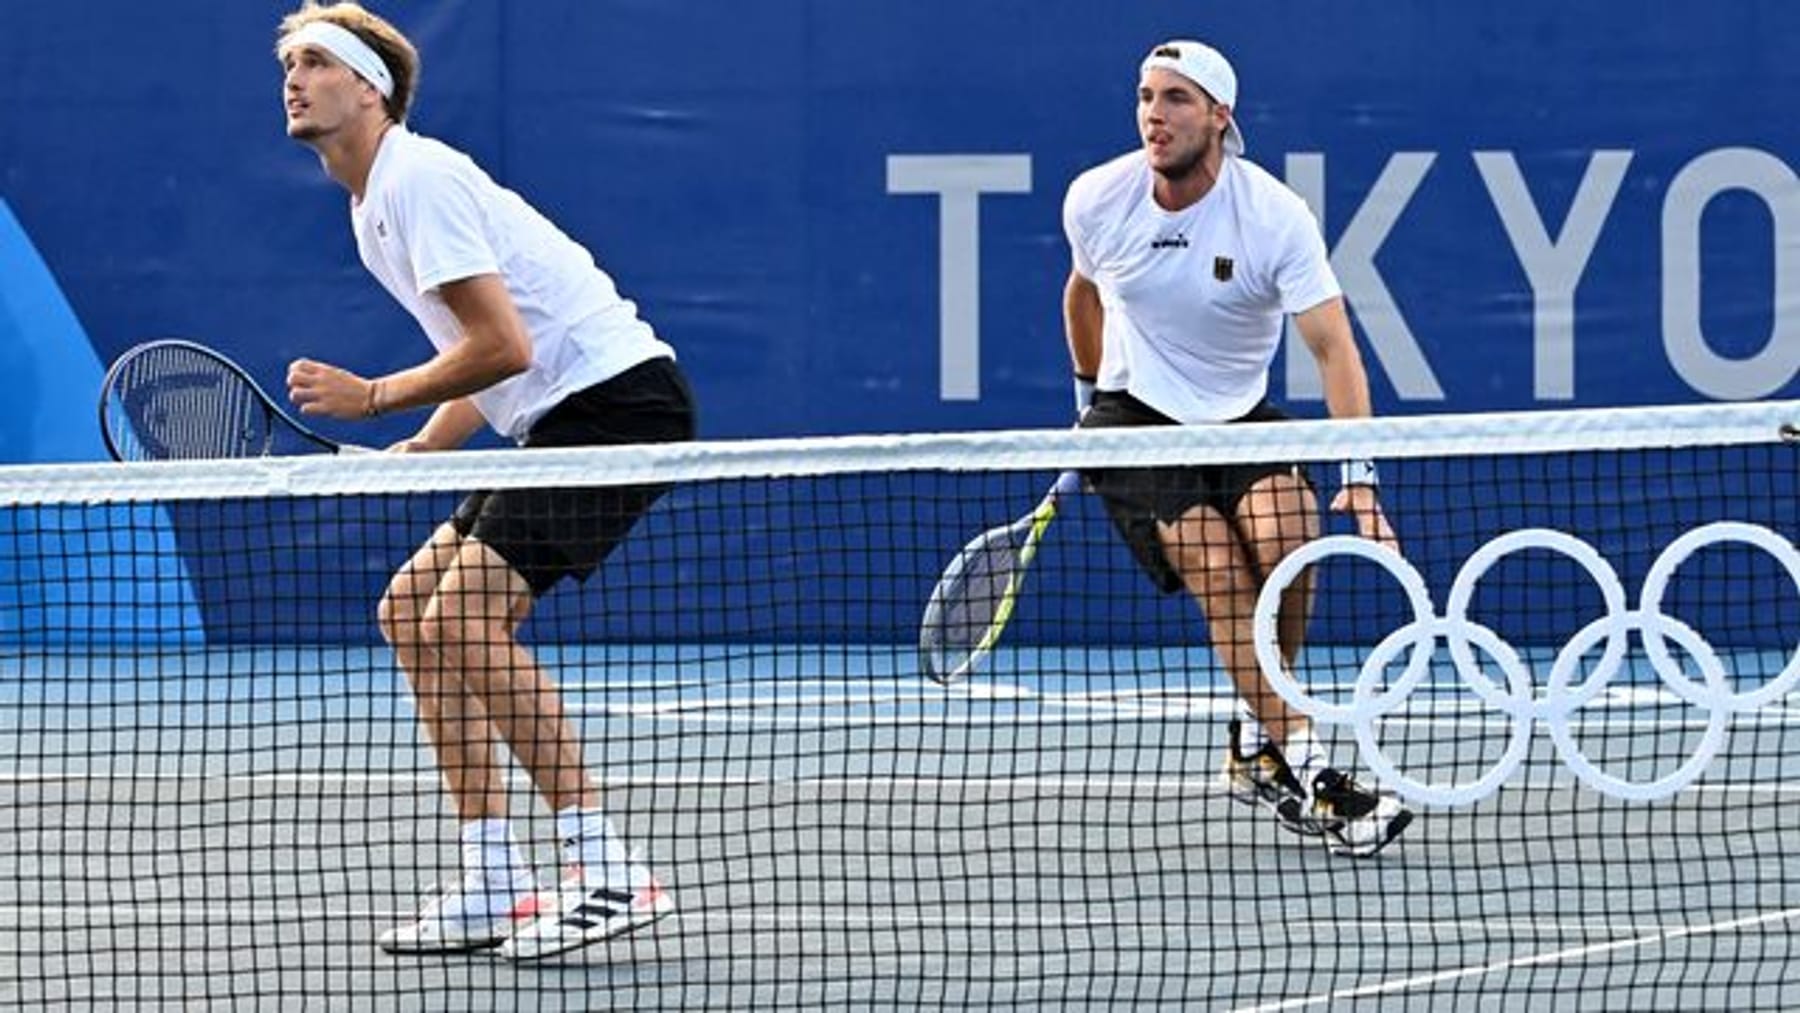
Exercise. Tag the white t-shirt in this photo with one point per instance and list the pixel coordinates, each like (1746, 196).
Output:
(1194, 299)
(430, 215)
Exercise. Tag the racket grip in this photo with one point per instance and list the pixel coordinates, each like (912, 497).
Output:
(1066, 483)
(355, 450)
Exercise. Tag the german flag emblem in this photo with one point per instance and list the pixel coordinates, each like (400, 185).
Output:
(1222, 268)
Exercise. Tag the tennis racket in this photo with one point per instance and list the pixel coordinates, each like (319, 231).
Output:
(974, 598)
(178, 400)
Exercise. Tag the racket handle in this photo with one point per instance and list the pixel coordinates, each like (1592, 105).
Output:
(1066, 483)
(355, 450)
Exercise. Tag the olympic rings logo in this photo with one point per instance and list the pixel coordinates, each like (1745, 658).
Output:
(1563, 696)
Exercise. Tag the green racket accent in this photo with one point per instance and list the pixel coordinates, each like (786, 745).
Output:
(974, 599)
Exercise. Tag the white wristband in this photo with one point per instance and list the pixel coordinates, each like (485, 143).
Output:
(1361, 472)
(1084, 394)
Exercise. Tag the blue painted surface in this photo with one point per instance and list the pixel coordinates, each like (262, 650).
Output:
(734, 173)
(63, 578)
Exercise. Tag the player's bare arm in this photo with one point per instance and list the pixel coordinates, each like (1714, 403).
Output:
(1326, 330)
(494, 346)
(450, 426)
(1082, 322)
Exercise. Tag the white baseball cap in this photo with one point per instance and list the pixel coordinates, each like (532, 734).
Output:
(1206, 67)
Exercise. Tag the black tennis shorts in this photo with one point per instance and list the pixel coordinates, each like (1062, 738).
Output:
(1137, 498)
(549, 534)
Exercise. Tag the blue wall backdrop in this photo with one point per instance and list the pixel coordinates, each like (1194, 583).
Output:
(1531, 204)
(845, 215)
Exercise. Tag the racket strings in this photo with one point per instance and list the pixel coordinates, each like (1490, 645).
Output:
(969, 599)
(182, 404)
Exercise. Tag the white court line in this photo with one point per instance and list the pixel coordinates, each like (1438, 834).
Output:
(1206, 785)
(754, 702)
(1092, 708)
(824, 721)
(1573, 954)
(803, 917)
(607, 686)
(1203, 785)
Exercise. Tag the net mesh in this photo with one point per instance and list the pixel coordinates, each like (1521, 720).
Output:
(216, 791)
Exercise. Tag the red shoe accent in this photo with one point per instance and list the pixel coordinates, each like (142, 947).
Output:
(650, 896)
(527, 909)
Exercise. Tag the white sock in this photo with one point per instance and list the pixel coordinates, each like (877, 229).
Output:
(490, 850)
(1251, 736)
(1305, 755)
(590, 843)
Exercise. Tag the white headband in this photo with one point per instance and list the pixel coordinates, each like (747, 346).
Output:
(351, 51)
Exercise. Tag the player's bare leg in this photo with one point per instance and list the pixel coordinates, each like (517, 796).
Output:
(474, 618)
(472, 621)
(1215, 565)
(497, 892)
(1291, 775)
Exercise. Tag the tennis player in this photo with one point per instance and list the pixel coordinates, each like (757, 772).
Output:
(1186, 261)
(532, 339)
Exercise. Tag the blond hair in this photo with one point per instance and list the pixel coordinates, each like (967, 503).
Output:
(388, 42)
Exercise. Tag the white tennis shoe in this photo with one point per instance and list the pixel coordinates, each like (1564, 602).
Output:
(1354, 821)
(585, 915)
(472, 915)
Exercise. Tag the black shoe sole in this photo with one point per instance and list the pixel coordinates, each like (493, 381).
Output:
(1400, 822)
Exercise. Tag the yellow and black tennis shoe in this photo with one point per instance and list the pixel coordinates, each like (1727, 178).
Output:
(1263, 778)
(1354, 820)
